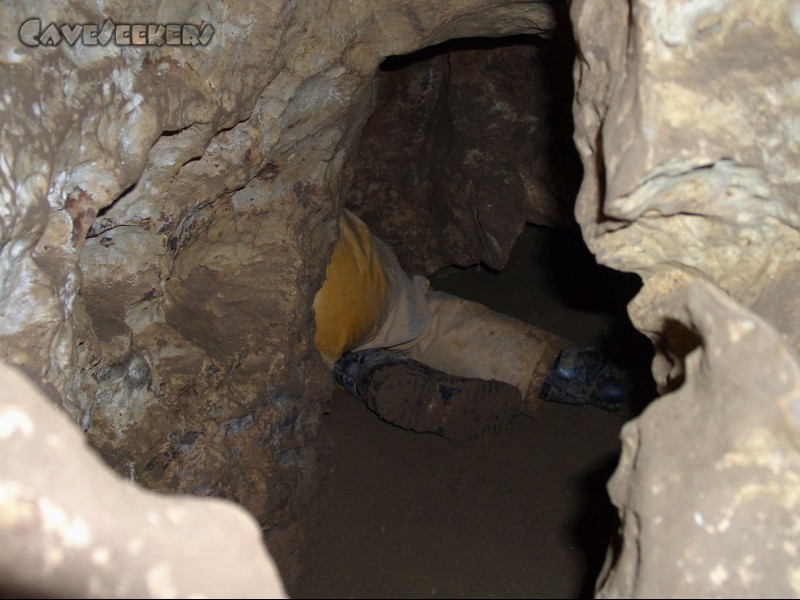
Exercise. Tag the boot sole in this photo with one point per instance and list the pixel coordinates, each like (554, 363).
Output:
(466, 411)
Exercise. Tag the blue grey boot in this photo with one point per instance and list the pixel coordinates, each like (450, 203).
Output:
(584, 376)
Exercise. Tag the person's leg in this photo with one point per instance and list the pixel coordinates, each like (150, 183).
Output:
(457, 337)
(584, 376)
(437, 362)
(460, 337)
(454, 367)
(468, 339)
(470, 370)
(412, 395)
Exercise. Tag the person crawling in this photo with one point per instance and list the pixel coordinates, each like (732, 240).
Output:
(429, 361)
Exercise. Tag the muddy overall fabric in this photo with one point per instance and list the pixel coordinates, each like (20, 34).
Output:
(369, 302)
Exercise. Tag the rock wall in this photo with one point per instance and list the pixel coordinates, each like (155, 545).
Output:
(167, 215)
(686, 117)
(58, 539)
(474, 152)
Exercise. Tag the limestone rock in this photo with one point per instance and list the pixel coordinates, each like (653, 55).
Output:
(58, 539)
(708, 478)
(459, 153)
(685, 116)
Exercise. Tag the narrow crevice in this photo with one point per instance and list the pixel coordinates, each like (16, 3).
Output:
(447, 200)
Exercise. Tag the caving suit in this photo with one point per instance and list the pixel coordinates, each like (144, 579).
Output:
(368, 301)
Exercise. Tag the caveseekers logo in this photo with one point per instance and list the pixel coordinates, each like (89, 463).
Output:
(90, 34)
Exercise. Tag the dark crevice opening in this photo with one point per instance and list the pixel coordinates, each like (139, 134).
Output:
(585, 299)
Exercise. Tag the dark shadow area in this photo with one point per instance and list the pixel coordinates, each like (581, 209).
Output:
(564, 158)
(401, 61)
(584, 301)
(596, 527)
(676, 343)
(583, 284)
(22, 594)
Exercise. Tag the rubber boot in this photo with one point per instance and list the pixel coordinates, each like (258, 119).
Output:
(584, 376)
(411, 395)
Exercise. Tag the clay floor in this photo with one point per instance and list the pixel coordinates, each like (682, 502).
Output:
(406, 515)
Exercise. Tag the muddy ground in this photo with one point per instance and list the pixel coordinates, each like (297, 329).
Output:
(407, 515)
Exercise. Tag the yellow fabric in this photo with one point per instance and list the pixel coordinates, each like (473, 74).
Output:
(351, 305)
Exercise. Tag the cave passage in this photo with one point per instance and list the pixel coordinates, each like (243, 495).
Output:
(527, 515)
(467, 169)
(469, 151)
